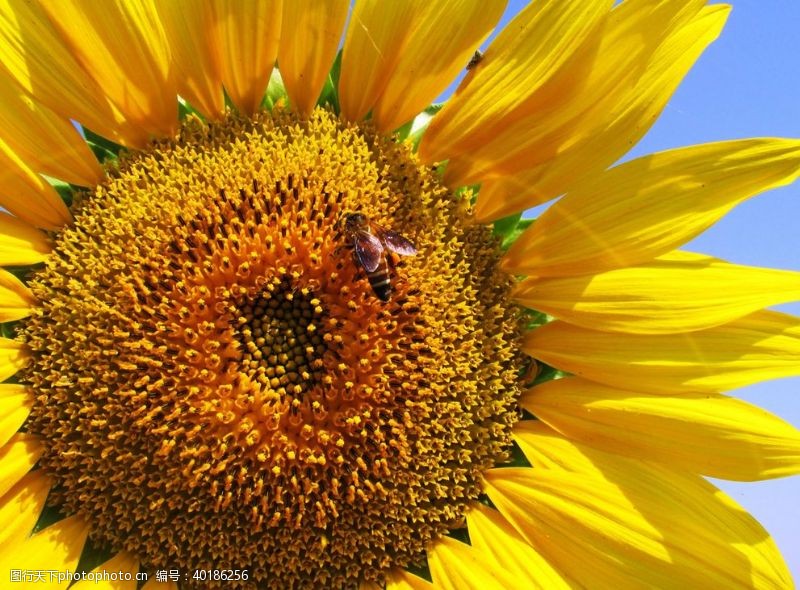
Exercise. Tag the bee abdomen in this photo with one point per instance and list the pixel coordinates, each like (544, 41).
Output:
(380, 282)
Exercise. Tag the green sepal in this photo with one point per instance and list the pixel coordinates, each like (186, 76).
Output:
(330, 91)
(276, 91)
(503, 227)
(50, 515)
(92, 556)
(103, 149)
(9, 329)
(64, 190)
(185, 109)
(515, 233)
(421, 123)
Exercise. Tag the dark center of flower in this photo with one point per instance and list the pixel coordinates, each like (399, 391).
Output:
(220, 386)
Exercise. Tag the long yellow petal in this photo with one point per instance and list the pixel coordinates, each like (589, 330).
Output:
(47, 142)
(55, 549)
(122, 45)
(457, 566)
(122, 562)
(17, 457)
(763, 345)
(20, 508)
(16, 402)
(649, 206)
(528, 54)
(612, 121)
(16, 299)
(677, 292)
(308, 46)
(13, 357)
(628, 523)
(443, 39)
(491, 534)
(400, 579)
(26, 194)
(192, 33)
(35, 56)
(249, 31)
(703, 433)
(20, 243)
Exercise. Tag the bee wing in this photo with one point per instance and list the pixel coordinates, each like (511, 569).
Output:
(397, 243)
(368, 250)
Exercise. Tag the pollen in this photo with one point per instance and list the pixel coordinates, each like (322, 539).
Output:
(220, 387)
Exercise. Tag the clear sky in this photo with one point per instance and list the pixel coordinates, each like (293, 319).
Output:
(747, 85)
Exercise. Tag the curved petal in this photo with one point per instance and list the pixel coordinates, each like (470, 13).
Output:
(16, 299)
(123, 47)
(306, 53)
(26, 194)
(55, 549)
(457, 566)
(398, 56)
(45, 141)
(17, 457)
(34, 55)
(703, 433)
(438, 47)
(626, 521)
(677, 292)
(13, 357)
(649, 206)
(16, 402)
(763, 345)
(527, 55)
(122, 562)
(20, 243)
(491, 534)
(192, 32)
(615, 119)
(20, 508)
(249, 31)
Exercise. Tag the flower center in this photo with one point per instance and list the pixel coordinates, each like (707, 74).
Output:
(224, 382)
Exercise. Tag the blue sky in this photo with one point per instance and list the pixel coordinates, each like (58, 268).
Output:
(747, 85)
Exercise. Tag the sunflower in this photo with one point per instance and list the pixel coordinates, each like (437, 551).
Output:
(274, 320)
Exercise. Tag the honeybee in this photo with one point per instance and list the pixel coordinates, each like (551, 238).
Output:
(370, 242)
(476, 58)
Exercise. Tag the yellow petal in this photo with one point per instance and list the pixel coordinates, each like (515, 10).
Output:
(629, 524)
(55, 549)
(20, 508)
(308, 46)
(607, 122)
(45, 141)
(34, 55)
(15, 405)
(123, 47)
(457, 566)
(677, 292)
(649, 206)
(702, 433)
(440, 43)
(13, 357)
(761, 346)
(492, 534)
(249, 31)
(192, 32)
(16, 299)
(26, 194)
(400, 579)
(20, 243)
(122, 562)
(17, 457)
(526, 55)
